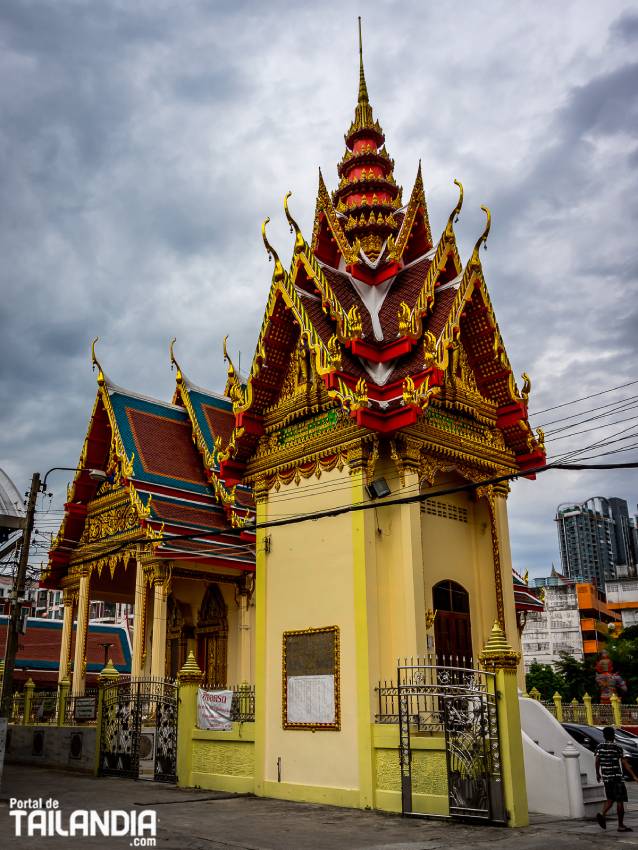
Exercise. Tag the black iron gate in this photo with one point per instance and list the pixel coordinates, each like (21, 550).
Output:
(139, 723)
(461, 704)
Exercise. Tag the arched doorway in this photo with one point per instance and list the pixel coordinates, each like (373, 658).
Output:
(212, 636)
(452, 629)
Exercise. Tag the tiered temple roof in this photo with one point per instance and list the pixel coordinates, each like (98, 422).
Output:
(163, 457)
(395, 323)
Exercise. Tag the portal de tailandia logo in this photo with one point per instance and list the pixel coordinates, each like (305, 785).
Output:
(40, 817)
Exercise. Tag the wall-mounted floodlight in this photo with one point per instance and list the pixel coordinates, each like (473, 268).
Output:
(378, 489)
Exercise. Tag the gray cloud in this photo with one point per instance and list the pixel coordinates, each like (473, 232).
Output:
(142, 145)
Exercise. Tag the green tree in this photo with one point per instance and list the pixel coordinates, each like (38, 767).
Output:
(579, 676)
(623, 651)
(545, 679)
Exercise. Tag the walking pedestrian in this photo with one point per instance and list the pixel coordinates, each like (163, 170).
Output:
(609, 767)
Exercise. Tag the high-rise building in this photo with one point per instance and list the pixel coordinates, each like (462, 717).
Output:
(597, 539)
(576, 620)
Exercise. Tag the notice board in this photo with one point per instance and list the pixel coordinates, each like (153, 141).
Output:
(310, 686)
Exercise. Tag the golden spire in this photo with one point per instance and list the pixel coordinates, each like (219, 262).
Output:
(363, 118)
(363, 89)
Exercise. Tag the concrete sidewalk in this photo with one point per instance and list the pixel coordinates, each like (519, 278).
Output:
(205, 820)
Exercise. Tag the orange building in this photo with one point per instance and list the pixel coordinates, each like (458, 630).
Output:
(595, 617)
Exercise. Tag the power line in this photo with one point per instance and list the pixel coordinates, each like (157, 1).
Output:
(584, 398)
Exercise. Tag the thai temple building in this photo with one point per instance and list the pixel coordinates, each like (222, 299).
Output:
(280, 531)
(162, 532)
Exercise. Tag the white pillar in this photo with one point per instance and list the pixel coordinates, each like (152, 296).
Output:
(67, 631)
(574, 784)
(79, 660)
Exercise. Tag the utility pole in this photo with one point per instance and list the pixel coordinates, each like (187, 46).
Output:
(17, 598)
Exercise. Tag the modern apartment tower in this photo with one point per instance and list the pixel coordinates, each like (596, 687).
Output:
(597, 539)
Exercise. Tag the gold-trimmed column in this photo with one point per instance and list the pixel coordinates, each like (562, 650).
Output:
(161, 587)
(498, 658)
(81, 632)
(67, 633)
(139, 618)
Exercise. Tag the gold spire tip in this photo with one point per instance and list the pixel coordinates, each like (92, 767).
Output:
(363, 89)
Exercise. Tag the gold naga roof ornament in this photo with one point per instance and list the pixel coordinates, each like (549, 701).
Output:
(300, 242)
(96, 364)
(482, 240)
(233, 390)
(174, 364)
(278, 273)
(454, 215)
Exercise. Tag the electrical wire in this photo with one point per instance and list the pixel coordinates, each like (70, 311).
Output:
(584, 398)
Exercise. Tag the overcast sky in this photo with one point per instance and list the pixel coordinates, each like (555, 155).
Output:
(142, 144)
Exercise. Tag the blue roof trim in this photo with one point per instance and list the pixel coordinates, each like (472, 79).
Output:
(95, 628)
(120, 402)
(198, 398)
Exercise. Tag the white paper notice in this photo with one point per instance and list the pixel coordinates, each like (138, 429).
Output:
(311, 699)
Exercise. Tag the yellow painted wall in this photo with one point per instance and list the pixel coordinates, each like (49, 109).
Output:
(224, 761)
(399, 623)
(309, 583)
(429, 772)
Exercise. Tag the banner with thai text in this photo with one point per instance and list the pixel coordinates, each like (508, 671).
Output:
(213, 710)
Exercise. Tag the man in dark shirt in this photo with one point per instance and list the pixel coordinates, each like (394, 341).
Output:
(609, 764)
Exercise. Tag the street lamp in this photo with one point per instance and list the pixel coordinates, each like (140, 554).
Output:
(94, 474)
(106, 647)
(20, 579)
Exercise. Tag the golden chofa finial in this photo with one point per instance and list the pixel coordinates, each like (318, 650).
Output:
(454, 215)
(278, 273)
(363, 89)
(174, 363)
(96, 363)
(300, 242)
(482, 240)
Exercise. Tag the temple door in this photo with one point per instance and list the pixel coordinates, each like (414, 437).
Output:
(176, 631)
(212, 637)
(452, 627)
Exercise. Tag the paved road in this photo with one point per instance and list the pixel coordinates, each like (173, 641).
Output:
(204, 820)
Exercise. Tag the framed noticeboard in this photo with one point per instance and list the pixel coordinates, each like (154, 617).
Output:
(310, 679)
(85, 708)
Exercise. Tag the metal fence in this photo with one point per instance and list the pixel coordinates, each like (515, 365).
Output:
(592, 713)
(44, 707)
(71, 715)
(242, 708)
(434, 672)
(17, 708)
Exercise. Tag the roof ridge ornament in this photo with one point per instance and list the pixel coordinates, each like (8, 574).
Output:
(300, 242)
(454, 215)
(101, 379)
(482, 240)
(279, 273)
(179, 375)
